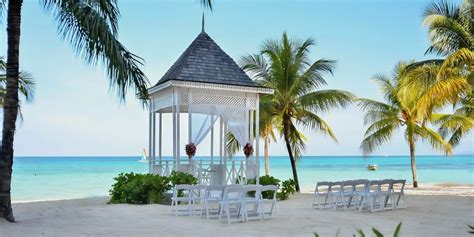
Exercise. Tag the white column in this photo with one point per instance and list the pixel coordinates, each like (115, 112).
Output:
(190, 118)
(178, 132)
(160, 144)
(251, 126)
(212, 140)
(257, 137)
(150, 142)
(221, 153)
(173, 115)
(153, 151)
(225, 153)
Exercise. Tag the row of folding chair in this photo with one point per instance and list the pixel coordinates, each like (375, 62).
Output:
(376, 195)
(234, 202)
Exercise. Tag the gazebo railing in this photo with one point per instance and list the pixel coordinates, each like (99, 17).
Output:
(205, 171)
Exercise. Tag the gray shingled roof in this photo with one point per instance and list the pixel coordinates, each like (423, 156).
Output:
(205, 61)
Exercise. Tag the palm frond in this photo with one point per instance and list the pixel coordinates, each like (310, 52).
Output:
(314, 122)
(371, 105)
(313, 77)
(207, 4)
(90, 28)
(232, 145)
(377, 138)
(449, 26)
(442, 92)
(324, 100)
(454, 126)
(434, 139)
(256, 66)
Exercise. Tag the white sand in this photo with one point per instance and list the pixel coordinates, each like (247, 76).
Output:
(425, 216)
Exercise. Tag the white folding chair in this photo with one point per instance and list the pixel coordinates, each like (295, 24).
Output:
(212, 197)
(197, 197)
(398, 193)
(182, 194)
(232, 196)
(334, 193)
(372, 197)
(272, 201)
(346, 193)
(386, 186)
(252, 197)
(360, 189)
(321, 192)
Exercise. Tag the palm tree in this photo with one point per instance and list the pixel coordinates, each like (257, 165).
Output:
(451, 27)
(451, 31)
(91, 27)
(404, 107)
(284, 65)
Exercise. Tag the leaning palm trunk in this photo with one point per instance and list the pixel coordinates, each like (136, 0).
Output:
(290, 154)
(267, 162)
(413, 164)
(10, 108)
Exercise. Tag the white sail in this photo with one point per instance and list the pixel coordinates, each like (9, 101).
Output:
(144, 156)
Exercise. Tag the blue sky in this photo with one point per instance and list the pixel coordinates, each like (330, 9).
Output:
(74, 112)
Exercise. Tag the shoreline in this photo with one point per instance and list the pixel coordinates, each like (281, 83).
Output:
(437, 189)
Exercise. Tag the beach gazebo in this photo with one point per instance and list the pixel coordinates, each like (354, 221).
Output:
(216, 95)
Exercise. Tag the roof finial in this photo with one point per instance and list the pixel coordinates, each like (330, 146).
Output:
(202, 29)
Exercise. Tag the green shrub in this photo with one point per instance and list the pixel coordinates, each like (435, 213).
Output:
(146, 188)
(377, 233)
(287, 187)
(139, 188)
(182, 178)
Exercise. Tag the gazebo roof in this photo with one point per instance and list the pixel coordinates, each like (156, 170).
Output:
(204, 61)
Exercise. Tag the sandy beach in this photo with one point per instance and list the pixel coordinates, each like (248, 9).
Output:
(434, 214)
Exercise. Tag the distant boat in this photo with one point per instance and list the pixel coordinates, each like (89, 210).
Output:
(372, 167)
(143, 159)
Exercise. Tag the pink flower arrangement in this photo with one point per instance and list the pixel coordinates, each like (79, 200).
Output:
(248, 150)
(190, 150)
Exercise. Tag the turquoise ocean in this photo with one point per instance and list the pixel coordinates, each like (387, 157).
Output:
(51, 178)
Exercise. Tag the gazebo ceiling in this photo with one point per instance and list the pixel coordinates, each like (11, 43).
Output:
(204, 61)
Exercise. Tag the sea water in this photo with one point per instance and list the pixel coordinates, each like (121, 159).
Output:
(51, 178)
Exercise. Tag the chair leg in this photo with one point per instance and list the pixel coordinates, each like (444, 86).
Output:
(228, 213)
(220, 213)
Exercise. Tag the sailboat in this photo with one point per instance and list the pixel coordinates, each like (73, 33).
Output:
(144, 157)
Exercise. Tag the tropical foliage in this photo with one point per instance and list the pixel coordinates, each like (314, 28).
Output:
(285, 66)
(451, 31)
(376, 232)
(404, 107)
(91, 28)
(26, 83)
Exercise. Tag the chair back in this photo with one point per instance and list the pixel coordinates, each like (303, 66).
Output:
(323, 187)
(199, 190)
(347, 186)
(373, 186)
(271, 189)
(252, 190)
(336, 186)
(360, 185)
(386, 185)
(183, 190)
(213, 192)
(398, 185)
(233, 192)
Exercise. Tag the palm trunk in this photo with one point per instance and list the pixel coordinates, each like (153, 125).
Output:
(265, 153)
(290, 154)
(10, 107)
(413, 163)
